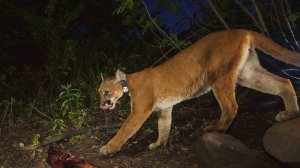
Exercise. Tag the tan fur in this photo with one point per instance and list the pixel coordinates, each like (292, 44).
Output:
(217, 61)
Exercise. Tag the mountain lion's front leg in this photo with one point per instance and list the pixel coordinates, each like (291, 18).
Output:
(132, 124)
(164, 126)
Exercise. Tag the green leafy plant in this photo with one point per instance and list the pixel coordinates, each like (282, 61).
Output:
(71, 105)
(76, 139)
(58, 125)
(125, 5)
(35, 141)
(295, 16)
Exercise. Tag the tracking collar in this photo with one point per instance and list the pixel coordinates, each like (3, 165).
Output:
(124, 86)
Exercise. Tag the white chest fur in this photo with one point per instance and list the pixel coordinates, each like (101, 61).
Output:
(164, 103)
(168, 102)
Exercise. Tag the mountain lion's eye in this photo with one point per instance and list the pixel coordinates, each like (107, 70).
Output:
(106, 93)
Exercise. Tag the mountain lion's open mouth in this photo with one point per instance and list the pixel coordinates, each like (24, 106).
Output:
(107, 105)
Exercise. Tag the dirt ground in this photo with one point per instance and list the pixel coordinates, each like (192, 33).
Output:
(255, 116)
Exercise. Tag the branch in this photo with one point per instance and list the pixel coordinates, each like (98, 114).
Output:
(69, 135)
(213, 7)
(280, 27)
(260, 17)
(163, 33)
(288, 23)
(191, 16)
(288, 10)
(41, 113)
(244, 9)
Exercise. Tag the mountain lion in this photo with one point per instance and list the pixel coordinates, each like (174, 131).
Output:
(216, 62)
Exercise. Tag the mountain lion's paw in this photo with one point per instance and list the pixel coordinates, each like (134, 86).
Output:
(153, 146)
(284, 115)
(108, 150)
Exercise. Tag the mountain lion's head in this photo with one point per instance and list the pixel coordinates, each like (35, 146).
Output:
(111, 90)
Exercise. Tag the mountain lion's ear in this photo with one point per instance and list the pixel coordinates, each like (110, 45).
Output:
(120, 76)
(102, 78)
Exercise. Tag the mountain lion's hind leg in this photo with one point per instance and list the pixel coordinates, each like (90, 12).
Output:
(255, 77)
(224, 91)
(164, 126)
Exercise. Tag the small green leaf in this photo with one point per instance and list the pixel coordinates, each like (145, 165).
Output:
(174, 8)
(35, 139)
(76, 139)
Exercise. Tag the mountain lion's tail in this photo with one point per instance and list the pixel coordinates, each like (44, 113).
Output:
(269, 47)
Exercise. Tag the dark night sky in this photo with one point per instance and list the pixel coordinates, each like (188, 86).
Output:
(170, 19)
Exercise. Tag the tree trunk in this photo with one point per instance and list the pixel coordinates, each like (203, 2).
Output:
(244, 9)
(213, 7)
(260, 18)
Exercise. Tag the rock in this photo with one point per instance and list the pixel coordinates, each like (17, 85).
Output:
(283, 142)
(216, 150)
